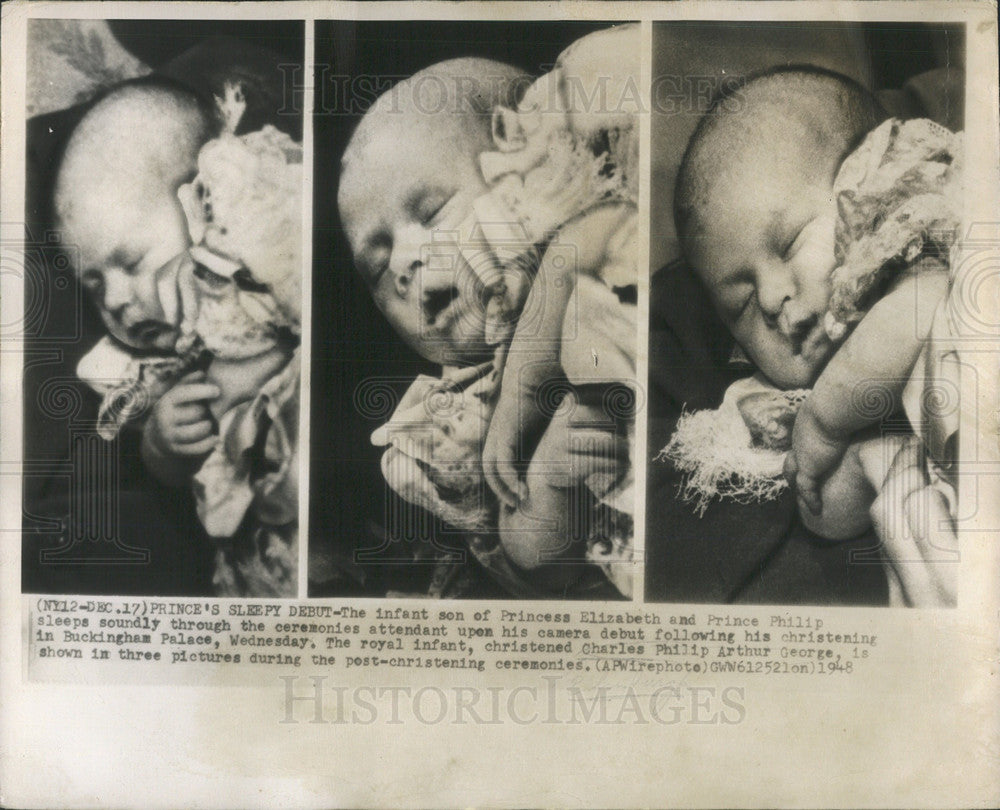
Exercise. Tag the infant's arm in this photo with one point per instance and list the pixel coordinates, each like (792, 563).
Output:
(180, 431)
(872, 366)
(878, 357)
(533, 358)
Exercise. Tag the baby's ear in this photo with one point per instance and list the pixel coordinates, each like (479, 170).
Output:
(508, 134)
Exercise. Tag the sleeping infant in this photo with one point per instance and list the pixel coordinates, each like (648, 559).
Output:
(823, 234)
(202, 339)
(456, 236)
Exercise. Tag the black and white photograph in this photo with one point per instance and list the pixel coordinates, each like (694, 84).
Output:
(499, 404)
(474, 309)
(804, 392)
(162, 307)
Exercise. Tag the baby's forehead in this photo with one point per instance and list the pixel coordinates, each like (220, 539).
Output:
(110, 200)
(764, 146)
(404, 130)
(761, 125)
(404, 149)
(126, 155)
(139, 131)
(782, 112)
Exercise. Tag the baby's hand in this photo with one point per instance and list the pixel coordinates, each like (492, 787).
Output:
(523, 409)
(814, 455)
(181, 423)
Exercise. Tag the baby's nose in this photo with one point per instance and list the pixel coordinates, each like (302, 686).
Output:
(795, 320)
(404, 277)
(431, 273)
(775, 288)
(408, 257)
(424, 260)
(118, 290)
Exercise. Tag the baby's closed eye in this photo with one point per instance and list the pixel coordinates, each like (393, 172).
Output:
(737, 298)
(793, 244)
(812, 241)
(428, 204)
(430, 209)
(374, 261)
(92, 281)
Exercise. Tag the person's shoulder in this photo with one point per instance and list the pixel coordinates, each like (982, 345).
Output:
(677, 300)
(670, 283)
(937, 94)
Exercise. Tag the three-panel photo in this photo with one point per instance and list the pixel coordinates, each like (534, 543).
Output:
(541, 310)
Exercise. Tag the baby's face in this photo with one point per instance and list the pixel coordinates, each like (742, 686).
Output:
(409, 187)
(765, 249)
(128, 260)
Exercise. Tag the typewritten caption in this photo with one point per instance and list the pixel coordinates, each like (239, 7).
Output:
(185, 635)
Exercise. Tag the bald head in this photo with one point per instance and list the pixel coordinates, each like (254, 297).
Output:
(453, 100)
(138, 143)
(812, 117)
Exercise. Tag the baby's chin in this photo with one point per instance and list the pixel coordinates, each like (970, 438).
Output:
(461, 343)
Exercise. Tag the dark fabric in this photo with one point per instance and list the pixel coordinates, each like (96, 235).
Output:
(759, 553)
(264, 76)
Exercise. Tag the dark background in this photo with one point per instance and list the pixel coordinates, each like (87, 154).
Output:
(352, 342)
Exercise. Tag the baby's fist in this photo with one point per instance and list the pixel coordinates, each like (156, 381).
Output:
(814, 455)
(181, 423)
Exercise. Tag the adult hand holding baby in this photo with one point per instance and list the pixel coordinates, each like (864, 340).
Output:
(516, 422)
(580, 438)
(500, 457)
(912, 520)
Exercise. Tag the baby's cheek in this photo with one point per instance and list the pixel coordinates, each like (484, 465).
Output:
(824, 285)
(819, 260)
(404, 317)
(755, 338)
(773, 356)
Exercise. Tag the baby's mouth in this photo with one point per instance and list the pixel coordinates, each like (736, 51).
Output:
(148, 332)
(811, 344)
(436, 302)
(802, 335)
